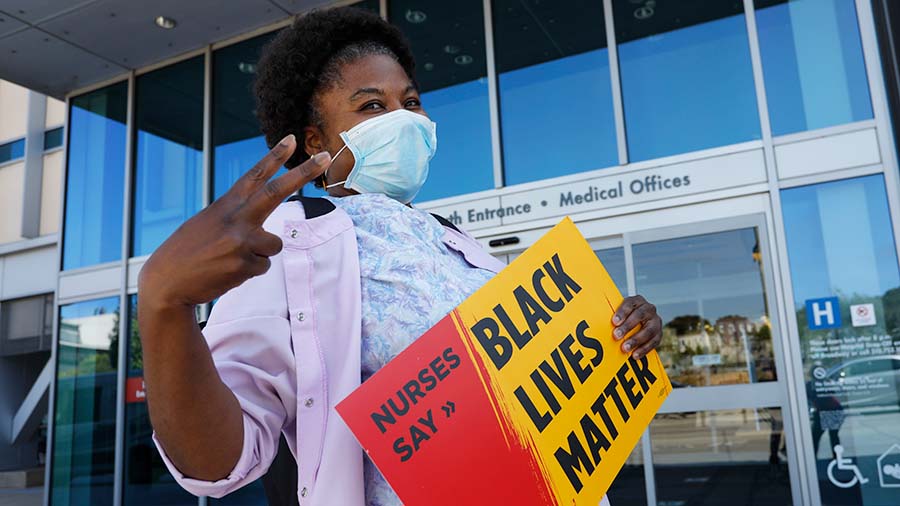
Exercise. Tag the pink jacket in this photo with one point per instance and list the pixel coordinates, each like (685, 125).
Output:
(288, 345)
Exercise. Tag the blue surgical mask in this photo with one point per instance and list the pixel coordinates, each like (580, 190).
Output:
(391, 153)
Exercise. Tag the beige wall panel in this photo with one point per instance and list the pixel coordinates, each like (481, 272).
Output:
(50, 192)
(13, 111)
(11, 187)
(56, 113)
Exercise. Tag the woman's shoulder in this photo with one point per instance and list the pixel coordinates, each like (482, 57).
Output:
(305, 222)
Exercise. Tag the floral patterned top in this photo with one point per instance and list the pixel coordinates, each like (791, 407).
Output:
(410, 280)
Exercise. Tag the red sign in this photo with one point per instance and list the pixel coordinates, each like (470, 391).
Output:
(134, 390)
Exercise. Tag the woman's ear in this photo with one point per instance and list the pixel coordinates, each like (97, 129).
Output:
(313, 140)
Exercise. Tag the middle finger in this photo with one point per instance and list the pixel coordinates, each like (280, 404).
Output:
(637, 317)
(254, 178)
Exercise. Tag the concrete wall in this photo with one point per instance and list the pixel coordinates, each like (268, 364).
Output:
(13, 111)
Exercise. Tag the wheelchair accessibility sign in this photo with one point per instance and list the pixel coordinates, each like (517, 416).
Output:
(843, 472)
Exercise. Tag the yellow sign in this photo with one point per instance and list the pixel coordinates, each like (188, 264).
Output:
(542, 330)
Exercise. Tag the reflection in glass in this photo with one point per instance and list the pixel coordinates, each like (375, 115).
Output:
(709, 291)
(147, 481)
(813, 64)
(555, 93)
(841, 245)
(237, 142)
(735, 457)
(95, 178)
(85, 424)
(614, 261)
(630, 487)
(687, 82)
(448, 43)
(168, 161)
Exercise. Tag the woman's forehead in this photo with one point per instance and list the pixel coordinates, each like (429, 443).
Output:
(374, 72)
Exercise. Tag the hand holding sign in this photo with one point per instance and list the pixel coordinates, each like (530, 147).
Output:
(544, 405)
(636, 313)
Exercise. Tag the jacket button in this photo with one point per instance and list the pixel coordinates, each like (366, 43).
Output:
(303, 492)
(308, 403)
(300, 317)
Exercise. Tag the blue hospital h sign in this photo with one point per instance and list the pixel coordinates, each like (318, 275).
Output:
(823, 313)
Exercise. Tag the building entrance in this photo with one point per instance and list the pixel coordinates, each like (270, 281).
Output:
(724, 433)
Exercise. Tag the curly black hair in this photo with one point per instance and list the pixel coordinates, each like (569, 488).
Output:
(305, 58)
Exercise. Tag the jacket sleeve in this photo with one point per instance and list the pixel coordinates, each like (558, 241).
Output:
(249, 337)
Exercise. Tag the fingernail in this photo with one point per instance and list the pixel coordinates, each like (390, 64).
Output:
(627, 346)
(616, 319)
(618, 333)
(286, 141)
(322, 158)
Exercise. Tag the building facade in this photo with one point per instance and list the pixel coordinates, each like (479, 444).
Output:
(31, 164)
(734, 162)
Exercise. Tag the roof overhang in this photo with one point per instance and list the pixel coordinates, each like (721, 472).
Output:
(58, 46)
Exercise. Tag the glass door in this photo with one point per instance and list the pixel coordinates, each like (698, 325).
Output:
(720, 438)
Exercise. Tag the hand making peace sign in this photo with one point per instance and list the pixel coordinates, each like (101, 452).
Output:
(224, 244)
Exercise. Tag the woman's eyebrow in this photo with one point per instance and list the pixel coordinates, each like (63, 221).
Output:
(366, 91)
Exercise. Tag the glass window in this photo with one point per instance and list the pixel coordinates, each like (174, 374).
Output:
(687, 82)
(721, 457)
(555, 94)
(168, 162)
(847, 300)
(12, 150)
(95, 178)
(85, 424)
(147, 481)
(813, 64)
(614, 261)
(451, 67)
(53, 138)
(237, 142)
(709, 291)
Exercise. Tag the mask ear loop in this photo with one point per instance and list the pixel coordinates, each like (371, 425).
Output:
(325, 174)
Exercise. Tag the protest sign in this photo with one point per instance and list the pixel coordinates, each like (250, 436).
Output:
(519, 396)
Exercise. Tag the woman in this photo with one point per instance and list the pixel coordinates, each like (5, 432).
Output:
(315, 294)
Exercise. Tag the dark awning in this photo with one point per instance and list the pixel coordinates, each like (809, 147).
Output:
(57, 46)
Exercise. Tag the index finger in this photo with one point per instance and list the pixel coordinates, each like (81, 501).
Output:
(261, 204)
(251, 180)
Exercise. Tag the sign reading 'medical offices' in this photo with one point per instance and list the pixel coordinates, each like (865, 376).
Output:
(696, 176)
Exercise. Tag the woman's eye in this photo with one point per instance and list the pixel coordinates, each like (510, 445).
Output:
(372, 106)
(413, 102)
